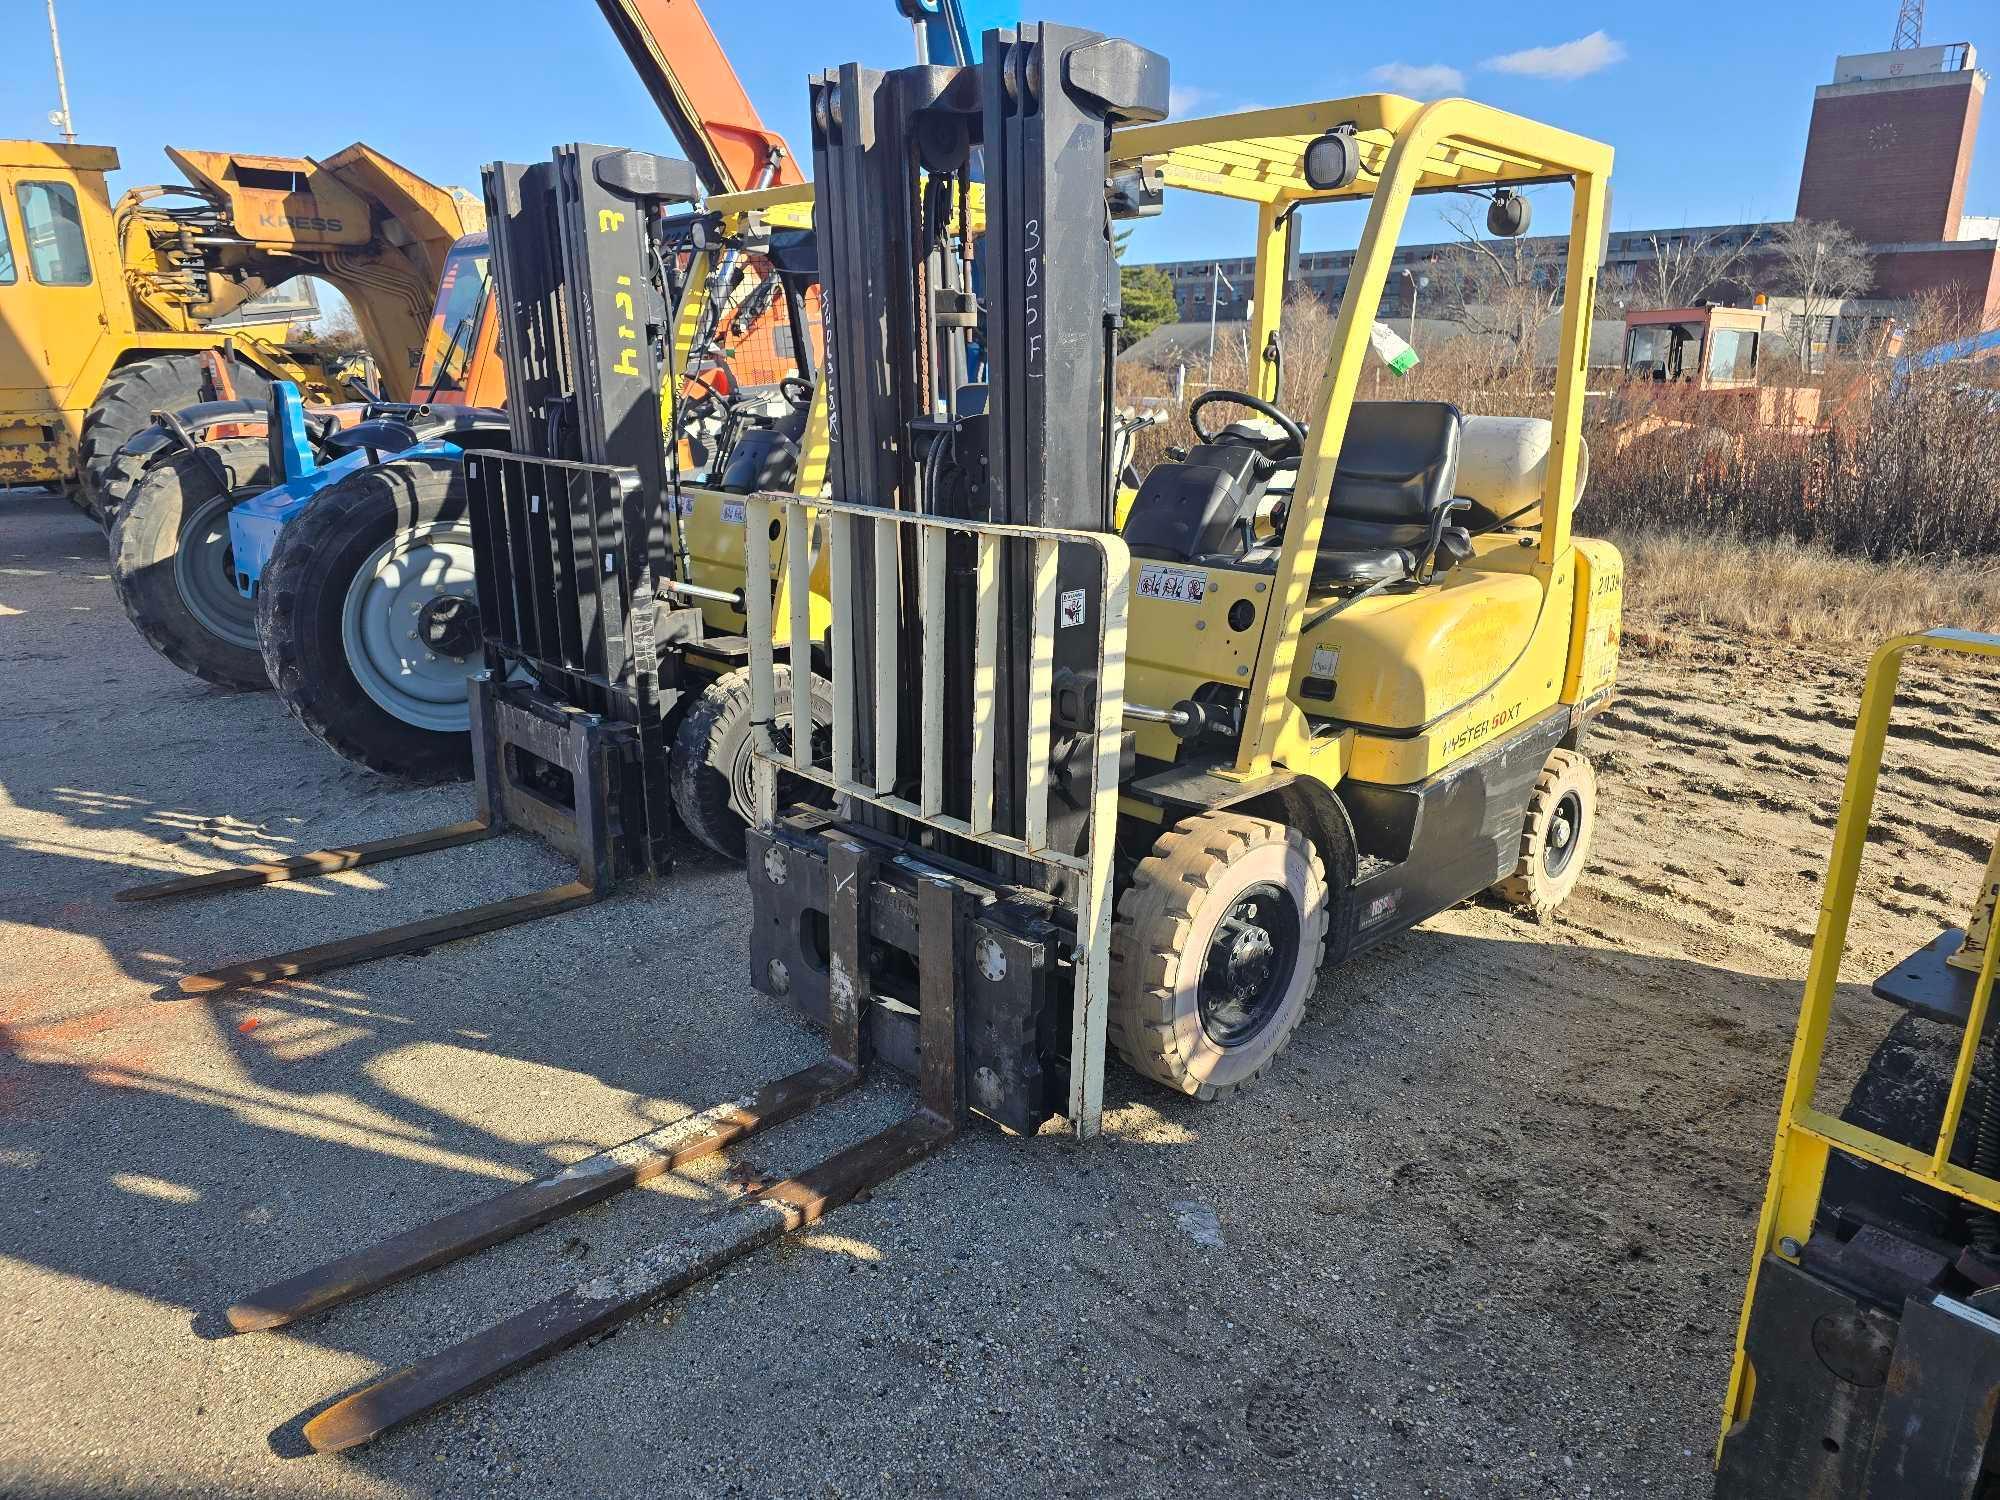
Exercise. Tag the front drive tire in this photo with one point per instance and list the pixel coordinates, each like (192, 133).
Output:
(349, 594)
(1555, 837)
(124, 408)
(171, 562)
(1214, 951)
(709, 768)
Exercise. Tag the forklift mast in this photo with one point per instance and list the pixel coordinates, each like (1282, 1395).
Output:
(908, 431)
(571, 539)
(978, 585)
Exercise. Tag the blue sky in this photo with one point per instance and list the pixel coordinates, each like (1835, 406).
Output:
(1706, 102)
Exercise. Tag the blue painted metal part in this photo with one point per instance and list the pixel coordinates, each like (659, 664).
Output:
(948, 31)
(1975, 347)
(288, 421)
(254, 524)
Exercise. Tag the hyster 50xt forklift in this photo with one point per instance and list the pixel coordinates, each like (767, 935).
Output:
(1366, 648)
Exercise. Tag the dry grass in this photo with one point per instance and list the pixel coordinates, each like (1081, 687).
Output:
(1793, 592)
(1888, 472)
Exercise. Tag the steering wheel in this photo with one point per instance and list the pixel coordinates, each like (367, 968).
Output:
(796, 389)
(1263, 408)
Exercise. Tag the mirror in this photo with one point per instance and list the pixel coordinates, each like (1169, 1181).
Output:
(1508, 215)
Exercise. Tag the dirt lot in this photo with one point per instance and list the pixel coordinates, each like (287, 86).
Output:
(1483, 1233)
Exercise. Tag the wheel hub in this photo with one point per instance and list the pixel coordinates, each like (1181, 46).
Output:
(449, 625)
(205, 576)
(791, 789)
(1248, 965)
(1559, 843)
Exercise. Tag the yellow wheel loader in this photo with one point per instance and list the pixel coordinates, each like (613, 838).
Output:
(1083, 783)
(1868, 1353)
(105, 311)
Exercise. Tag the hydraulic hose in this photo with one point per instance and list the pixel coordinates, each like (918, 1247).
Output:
(1985, 1225)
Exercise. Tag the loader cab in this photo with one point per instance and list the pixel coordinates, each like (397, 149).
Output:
(1367, 580)
(1709, 348)
(460, 364)
(55, 298)
(746, 414)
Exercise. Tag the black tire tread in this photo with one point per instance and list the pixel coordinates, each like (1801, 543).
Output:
(247, 462)
(124, 407)
(696, 771)
(1149, 939)
(313, 534)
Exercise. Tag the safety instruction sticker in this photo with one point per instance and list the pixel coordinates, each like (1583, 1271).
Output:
(1182, 585)
(1071, 609)
(732, 512)
(1326, 661)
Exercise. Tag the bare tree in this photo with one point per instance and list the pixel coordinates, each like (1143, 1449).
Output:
(1821, 264)
(1499, 288)
(1684, 268)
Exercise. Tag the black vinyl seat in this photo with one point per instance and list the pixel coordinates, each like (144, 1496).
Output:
(1398, 464)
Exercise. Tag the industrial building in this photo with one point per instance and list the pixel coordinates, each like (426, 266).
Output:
(1888, 153)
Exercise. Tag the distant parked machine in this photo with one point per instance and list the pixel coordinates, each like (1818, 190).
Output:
(1713, 354)
(105, 314)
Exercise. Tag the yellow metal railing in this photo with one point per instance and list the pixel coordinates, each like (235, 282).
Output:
(1805, 1134)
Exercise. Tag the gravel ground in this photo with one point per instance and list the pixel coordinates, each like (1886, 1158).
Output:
(1483, 1232)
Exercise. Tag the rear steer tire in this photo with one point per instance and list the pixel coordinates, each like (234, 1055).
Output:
(171, 564)
(1174, 1015)
(709, 767)
(106, 477)
(1555, 837)
(348, 582)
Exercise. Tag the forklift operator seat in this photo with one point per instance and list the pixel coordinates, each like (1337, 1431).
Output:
(1397, 467)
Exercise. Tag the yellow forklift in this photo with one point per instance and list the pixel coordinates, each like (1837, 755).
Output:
(1079, 784)
(1868, 1353)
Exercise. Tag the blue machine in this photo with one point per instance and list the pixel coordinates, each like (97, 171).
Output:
(1979, 346)
(946, 29)
(254, 524)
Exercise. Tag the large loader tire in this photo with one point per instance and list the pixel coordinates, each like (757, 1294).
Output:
(171, 562)
(369, 620)
(124, 407)
(1555, 837)
(1214, 951)
(709, 768)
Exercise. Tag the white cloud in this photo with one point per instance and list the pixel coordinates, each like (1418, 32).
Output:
(1420, 80)
(1181, 99)
(1568, 60)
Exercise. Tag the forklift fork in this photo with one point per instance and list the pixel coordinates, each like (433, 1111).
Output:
(583, 745)
(697, 1252)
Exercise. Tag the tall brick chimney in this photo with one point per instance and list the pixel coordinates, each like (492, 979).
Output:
(1891, 144)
